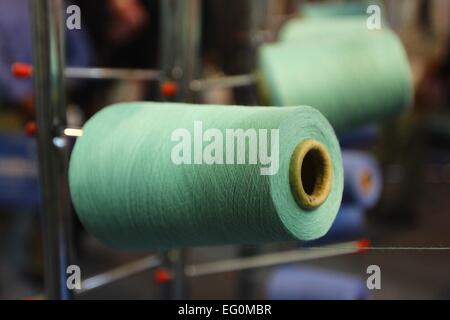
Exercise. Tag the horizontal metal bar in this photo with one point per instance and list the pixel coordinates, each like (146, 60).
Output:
(119, 273)
(112, 73)
(208, 268)
(73, 132)
(150, 75)
(223, 82)
(24, 70)
(271, 259)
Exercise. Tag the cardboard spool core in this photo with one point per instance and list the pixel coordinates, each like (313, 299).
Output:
(310, 174)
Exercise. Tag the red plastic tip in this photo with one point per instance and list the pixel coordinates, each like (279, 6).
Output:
(169, 88)
(31, 128)
(21, 70)
(363, 245)
(162, 275)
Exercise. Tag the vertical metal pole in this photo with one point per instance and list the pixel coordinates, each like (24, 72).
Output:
(48, 65)
(167, 38)
(180, 39)
(180, 44)
(258, 14)
(188, 21)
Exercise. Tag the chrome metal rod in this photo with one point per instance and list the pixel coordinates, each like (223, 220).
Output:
(270, 259)
(119, 273)
(73, 132)
(112, 74)
(223, 82)
(221, 266)
(180, 44)
(155, 75)
(48, 55)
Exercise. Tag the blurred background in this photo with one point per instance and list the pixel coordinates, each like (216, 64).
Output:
(397, 191)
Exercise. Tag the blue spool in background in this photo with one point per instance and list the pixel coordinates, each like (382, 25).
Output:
(305, 283)
(363, 136)
(362, 179)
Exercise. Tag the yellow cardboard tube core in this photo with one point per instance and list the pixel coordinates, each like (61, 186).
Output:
(310, 174)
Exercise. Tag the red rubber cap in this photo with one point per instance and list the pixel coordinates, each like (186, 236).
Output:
(169, 88)
(162, 275)
(21, 70)
(31, 128)
(363, 245)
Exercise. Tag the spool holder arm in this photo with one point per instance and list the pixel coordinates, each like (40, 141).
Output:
(223, 266)
(95, 73)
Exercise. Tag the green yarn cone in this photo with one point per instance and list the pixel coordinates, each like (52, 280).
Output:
(129, 193)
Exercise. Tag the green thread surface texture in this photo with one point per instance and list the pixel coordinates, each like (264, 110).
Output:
(129, 194)
(352, 79)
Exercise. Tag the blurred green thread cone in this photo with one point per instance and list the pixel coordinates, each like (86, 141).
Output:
(353, 79)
